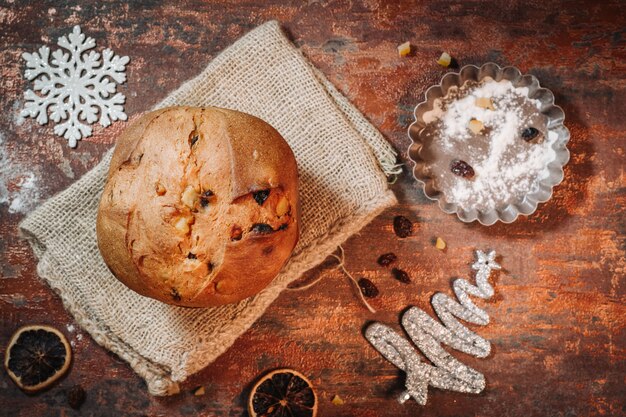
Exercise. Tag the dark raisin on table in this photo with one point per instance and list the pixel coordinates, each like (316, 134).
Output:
(401, 275)
(387, 259)
(76, 396)
(529, 134)
(368, 288)
(462, 169)
(402, 226)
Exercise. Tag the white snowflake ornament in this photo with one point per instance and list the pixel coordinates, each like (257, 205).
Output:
(78, 88)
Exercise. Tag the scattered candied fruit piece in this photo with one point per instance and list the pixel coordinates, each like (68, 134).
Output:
(445, 60)
(476, 126)
(404, 49)
(182, 224)
(440, 244)
(282, 207)
(337, 400)
(198, 392)
(189, 196)
(484, 103)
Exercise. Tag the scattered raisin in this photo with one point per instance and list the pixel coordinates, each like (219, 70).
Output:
(529, 134)
(191, 256)
(204, 198)
(368, 288)
(387, 259)
(235, 233)
(194, 139)
(462, 169)
(76, 396)
(175, 295)
(261, 196)
(401, 275)
(402, 226)
(262, 228)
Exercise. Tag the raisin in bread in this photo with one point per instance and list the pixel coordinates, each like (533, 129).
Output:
(200, 207)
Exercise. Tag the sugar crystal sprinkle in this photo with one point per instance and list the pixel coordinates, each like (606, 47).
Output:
(506, 167)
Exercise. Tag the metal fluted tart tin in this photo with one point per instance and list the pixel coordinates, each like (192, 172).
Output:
(542, 189)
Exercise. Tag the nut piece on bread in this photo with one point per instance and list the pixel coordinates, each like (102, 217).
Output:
(200, 207)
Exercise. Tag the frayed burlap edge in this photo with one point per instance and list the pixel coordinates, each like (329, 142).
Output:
(159, 378)
(163, 380)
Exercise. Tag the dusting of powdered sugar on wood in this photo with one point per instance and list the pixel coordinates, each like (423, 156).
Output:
(19, 188)
(501, 176)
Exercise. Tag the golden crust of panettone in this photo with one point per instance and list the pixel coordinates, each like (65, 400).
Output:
(200, 207)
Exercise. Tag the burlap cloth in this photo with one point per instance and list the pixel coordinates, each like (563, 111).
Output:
(342, 187)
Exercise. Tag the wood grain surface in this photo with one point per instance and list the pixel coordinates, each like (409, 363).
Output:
(558, 317)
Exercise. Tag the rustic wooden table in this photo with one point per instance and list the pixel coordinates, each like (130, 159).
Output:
(557, 326)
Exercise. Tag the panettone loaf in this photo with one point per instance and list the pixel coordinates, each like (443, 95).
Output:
(200, 207)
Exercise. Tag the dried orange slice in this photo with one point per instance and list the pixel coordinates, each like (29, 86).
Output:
(37, 356)
(283, 393)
